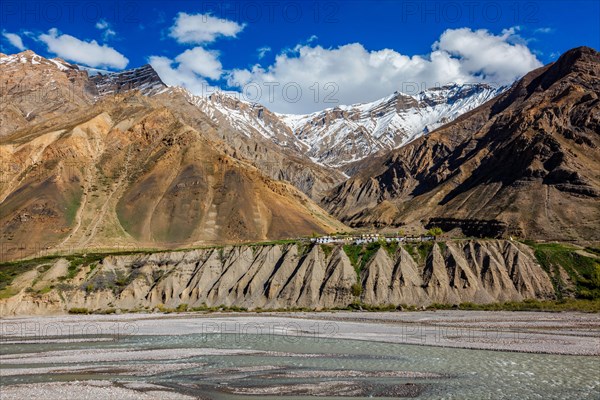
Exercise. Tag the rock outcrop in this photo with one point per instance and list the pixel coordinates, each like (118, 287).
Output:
(284, 276)
(37, 91)
(145, 79)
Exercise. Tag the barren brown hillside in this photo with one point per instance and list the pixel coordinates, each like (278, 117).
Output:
(528, 160)
(128, 171)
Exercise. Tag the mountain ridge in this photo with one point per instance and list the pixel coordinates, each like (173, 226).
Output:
(538, 140)
(332, 138)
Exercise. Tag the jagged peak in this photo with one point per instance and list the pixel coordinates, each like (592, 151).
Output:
(573, 60)
(579, 53)
(144, 78)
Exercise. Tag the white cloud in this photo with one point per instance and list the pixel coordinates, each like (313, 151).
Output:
(202, 28)
(14, 39)
(189, 69)
(544, 30)
(262, 51)
(202, 62)
(88, 53)
(355, 74)
(106, 29)
(492, 58)
(102, 24)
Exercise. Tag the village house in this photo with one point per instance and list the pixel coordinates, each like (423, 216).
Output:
(369, 238)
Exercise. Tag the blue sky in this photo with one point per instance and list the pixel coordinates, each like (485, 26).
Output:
(332, 52)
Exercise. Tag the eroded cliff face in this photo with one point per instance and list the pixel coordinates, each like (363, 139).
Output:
(284, 276)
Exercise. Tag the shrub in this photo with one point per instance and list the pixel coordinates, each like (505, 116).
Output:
(435, 231)
(79, 310)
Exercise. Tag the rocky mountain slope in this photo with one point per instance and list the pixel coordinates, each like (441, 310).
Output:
(35, 90)
(145, 79)
(345, 134)
(39, 89)
(327, 142)
(529, 161)
(282, 276)
(128, 170)
(313, 152)
(253, 132)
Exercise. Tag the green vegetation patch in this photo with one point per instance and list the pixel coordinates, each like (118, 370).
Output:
(10, 270)
(357, 305)
(424, 249)
(360, 255)
(327, 249)
(582, 305)
(583, 271)
(435, 231)
(391, 248)
(204, 308)
(46, 289)
(79, 310)
(357, 289)
(412, 251)
(443, 246)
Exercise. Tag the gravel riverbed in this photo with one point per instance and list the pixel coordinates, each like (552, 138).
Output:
(313, 354)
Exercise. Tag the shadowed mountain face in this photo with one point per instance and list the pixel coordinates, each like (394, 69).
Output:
(145, 79)
(529, 159)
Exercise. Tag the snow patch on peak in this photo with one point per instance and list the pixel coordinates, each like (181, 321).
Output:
(29, 57)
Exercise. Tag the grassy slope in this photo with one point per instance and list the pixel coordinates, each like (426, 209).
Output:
(583, 270)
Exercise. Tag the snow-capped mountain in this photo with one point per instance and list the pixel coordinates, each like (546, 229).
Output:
(249, 119)
(34, 89)
(29, 57)
(344, 134)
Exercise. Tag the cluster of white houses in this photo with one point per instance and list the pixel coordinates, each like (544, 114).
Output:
(369, 238)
